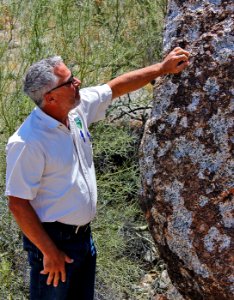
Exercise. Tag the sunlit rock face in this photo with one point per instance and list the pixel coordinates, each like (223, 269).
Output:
(186, 155)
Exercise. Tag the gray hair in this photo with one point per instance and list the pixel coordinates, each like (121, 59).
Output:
(40, 78)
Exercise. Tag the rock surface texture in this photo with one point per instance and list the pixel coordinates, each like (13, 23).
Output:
(186, 155)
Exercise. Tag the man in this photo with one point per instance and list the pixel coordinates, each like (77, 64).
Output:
(50, 179)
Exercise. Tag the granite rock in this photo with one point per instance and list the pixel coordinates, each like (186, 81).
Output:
(186, 154)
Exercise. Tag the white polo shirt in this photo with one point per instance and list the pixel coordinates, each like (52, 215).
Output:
(53, 166)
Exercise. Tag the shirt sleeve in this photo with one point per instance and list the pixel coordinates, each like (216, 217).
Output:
(94, 102)
(25, 165)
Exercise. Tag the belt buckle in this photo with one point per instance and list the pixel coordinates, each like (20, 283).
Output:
(77, 229)
(85, 227)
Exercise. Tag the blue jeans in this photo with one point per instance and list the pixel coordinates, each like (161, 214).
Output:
(80, 275)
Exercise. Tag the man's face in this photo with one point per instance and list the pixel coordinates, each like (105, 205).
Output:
(66, 93)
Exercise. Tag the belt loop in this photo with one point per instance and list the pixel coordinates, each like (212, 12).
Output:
(77, 229)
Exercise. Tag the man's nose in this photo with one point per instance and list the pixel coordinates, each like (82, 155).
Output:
(76, 82)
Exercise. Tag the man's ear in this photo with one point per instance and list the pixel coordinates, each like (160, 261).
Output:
(48, 98)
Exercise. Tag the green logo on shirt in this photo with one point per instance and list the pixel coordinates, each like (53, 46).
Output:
(78, 122)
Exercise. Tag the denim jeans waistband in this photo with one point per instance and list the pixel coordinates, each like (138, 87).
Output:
(66, 227)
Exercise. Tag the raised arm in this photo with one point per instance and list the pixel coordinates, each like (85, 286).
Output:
(174, 63)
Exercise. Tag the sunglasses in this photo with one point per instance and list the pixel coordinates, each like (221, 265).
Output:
(71, 80)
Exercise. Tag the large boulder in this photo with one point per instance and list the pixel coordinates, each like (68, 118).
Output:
(186, 155)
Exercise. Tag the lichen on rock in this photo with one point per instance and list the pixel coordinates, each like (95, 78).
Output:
(186, 155)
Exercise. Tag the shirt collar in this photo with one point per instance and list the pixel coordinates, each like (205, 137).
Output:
(47, 120)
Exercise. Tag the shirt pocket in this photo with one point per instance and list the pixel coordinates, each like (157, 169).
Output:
(60, 156)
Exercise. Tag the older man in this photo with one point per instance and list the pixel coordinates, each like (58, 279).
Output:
(50, 179)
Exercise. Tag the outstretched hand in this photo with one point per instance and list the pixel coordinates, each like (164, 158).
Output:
(175, 61)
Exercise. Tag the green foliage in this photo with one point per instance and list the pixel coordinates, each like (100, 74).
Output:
(12, 259)
(115, 153)
(98, 40)
(12, 287)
